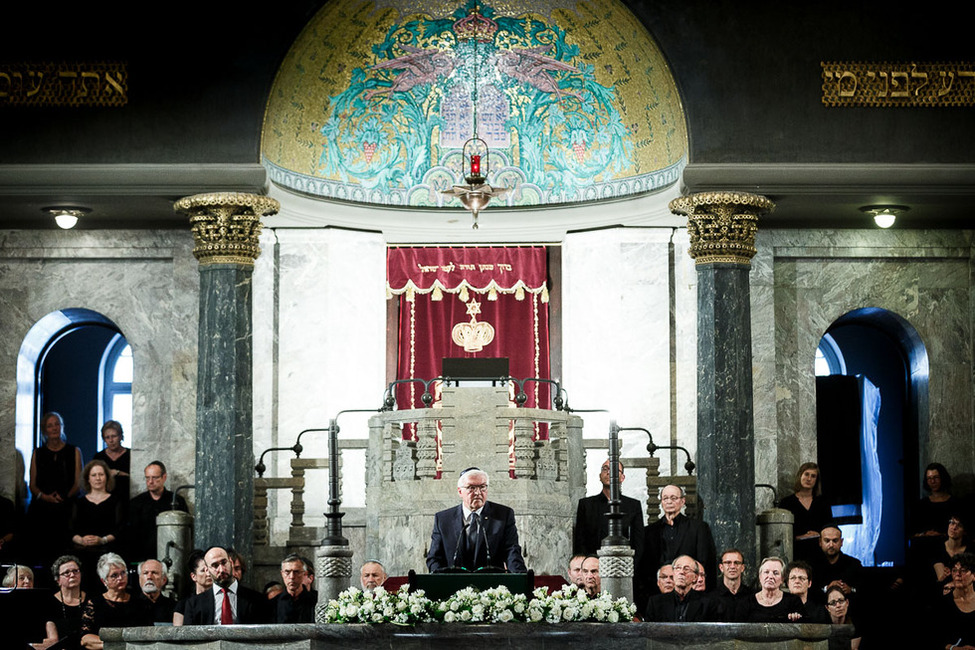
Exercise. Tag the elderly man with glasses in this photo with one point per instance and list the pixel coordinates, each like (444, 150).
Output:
(683, 604)
(477, 533)
(675, 534)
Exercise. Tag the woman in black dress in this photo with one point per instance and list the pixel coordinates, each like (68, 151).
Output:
(96, 519)
(838, 608)
(55, 478)
(115, 608)
(954, 623)
(117, 457)
(65, 606)
(771, 604)
(810, 511)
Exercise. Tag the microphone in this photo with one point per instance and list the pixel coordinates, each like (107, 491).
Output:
(460, 540)
(487, 548)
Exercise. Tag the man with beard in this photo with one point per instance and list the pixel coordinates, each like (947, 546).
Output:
(227, 602)
(152, 579)
(372, 575)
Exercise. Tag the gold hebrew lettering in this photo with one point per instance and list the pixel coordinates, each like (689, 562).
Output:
(894, 76)
(951, 80)
(918, 75)
(5, 93)
(88, 75)
(112, 83)
(886, 90)
(847, 75)
(31, 74)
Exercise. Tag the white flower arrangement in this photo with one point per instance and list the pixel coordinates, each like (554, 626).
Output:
(496, 605)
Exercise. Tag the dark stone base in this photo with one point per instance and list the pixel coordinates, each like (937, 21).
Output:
(524, 636)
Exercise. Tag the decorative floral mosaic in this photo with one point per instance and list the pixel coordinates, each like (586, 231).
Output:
(374, 105)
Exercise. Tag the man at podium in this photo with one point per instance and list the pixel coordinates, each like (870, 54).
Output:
(477, 534)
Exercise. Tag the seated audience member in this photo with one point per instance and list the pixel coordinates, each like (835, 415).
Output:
(201, 579)
(955, 543)
(63, 610)
(591, 581)
(9, 528)
(215, 606)
(701, 583)
(97, 517)
(731, 590)
(770, 604)
(798, 577)
(575, 570)
(838, 607)
(295, 604)
(240, 564)
(676, 534)
(272, 589)
(152, 579)
(114, 608)
(835, 566)
(665, 579)
(309, 581)
(810, 510)
(19, 577)
(929, 517)
(683, 604)
(143, 509)
(954, 621)
(372, 574)
(117, 458)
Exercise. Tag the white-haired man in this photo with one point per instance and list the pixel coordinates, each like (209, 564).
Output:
(477, 533)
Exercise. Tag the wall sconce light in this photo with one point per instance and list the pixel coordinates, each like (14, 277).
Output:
(67, 217)
(884, 215)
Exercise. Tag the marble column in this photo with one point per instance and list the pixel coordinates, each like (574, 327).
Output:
(722, 228)
(225, 228)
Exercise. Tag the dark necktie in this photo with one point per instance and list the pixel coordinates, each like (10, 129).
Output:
(226, 615)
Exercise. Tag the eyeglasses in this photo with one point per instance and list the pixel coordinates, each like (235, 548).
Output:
(685, 569)
(153, 478)
(671, 497)
(69, 572)
(116, 576)
(798, 578)
(960, 570)
(733, 563)
(476, 488)
(836, 603)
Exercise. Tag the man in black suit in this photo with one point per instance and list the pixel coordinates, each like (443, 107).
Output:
(674, 534)
(592, 524)
(227, 602)
(683, 604)
(140, 529)
(477, 533)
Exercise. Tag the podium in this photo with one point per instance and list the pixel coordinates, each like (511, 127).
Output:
(441, 586)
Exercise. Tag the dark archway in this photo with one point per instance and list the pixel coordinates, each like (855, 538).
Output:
(886, 348)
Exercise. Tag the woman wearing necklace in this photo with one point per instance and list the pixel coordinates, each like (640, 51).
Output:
(115, 608)
(771, 604)
(64, 608)
(116, 457)
(810, 511)
(96, 518)
(55, 473)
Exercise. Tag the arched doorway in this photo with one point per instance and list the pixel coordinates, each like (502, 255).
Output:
(886, 349)
(69, 362)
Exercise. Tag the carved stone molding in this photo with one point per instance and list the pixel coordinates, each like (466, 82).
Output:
(722, 225)
(226, 225)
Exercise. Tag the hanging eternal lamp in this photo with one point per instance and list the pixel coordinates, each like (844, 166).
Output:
(476, 158)
(476, 194)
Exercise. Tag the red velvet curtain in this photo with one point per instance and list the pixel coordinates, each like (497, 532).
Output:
(440, 289)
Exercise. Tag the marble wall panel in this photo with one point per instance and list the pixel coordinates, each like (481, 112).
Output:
(325, 352)
(147, 283)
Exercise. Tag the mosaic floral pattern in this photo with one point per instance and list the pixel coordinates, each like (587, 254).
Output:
(392, 128)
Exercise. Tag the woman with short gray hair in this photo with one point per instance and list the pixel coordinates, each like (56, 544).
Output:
(116, 607)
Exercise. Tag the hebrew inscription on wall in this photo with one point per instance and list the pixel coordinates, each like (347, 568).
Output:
(898, 84)
(98, 83)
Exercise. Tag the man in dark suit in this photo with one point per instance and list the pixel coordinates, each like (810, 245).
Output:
(674, 534)
(683, 604)
(477, 533)
(592, 524)
(227, 602)
(140, 531)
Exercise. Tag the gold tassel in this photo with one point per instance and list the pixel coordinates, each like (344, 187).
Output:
(437, 294)
(409, 293)
(493, 292)
(520, 293)
(389, 292)
(463, 293)
(544, 293)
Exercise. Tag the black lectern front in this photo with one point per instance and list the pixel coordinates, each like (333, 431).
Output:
(441, 586)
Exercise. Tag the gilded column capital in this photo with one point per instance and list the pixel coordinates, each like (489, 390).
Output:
(226, 225)
(722, 225)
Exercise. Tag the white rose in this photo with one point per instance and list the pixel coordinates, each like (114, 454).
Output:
(613, 616)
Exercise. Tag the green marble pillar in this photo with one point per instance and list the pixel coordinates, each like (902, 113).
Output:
(722, 228)
(225, 227)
